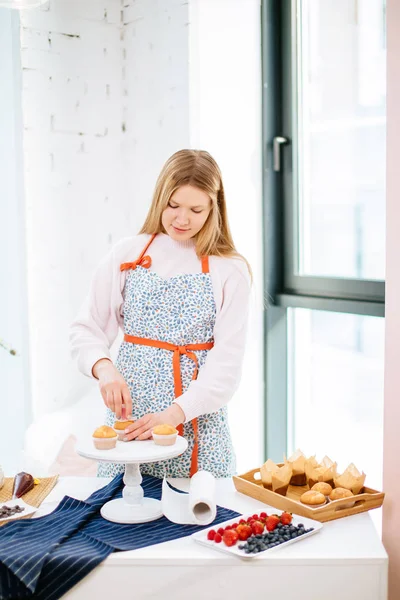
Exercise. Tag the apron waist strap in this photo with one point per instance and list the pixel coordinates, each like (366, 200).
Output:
(188, 351)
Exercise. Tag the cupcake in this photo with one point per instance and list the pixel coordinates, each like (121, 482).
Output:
(119, 428)
(266, 472)
(351, 479)
(104, 438)
(281, 479)
(317, 472)
(164, 435)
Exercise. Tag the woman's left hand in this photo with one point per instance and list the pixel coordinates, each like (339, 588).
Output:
(142, 428)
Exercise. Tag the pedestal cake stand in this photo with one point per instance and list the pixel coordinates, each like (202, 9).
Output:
(133, 507)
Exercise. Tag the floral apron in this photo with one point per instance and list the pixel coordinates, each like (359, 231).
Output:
(167, 323)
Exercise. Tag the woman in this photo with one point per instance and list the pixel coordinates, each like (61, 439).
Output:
(180, 292)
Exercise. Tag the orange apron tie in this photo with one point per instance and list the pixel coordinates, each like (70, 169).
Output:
(176, 365)
(142, 261)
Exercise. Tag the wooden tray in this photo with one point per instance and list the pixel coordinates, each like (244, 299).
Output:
(247, 484)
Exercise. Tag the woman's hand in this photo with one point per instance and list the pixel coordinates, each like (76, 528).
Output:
(142, 428)
(113, 388)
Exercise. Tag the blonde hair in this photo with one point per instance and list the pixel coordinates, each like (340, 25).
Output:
(199, 169)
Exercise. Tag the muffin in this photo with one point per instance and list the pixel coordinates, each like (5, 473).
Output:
(119, 428)
(322, 487)
(298, 460)
(104, 438)
(164, 435)
(313, 498)
(339, 494)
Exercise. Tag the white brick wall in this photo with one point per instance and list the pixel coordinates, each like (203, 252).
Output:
(157, 83)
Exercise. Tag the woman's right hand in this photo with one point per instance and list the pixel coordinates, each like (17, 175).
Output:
(113, 388)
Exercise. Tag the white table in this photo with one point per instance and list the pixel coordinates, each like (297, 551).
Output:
(345, 560)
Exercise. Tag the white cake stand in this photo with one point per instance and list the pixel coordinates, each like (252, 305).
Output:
(133, 507)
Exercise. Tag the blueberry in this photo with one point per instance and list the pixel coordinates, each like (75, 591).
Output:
(294, 535)
(300, 525)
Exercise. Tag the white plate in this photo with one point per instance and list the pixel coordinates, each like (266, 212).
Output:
(201, 537)
(29, 510)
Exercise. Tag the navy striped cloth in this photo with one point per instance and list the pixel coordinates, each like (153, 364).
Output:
(43, 558)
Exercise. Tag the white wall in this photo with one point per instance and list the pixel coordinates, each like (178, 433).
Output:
(225, 119)
(157, 104)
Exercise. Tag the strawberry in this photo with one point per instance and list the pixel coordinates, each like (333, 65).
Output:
(221, 531)
(255, 517)
(242, 521)
(263, 515)
(230, 537)
(272, 522)
(211, 534)
(218, 538)
(234, 525)
(228, 527)
(244, 531)
(257, 527)
(286, 518)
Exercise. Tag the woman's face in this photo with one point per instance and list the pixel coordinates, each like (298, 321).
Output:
(186, 213)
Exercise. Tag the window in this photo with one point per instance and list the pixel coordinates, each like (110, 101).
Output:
(324, 222)
(335, 387)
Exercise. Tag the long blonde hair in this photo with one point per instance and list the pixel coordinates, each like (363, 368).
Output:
(199, 169)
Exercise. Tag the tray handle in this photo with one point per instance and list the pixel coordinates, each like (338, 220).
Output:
(350, 509)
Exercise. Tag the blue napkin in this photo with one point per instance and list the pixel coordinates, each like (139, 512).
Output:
(43, 558)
